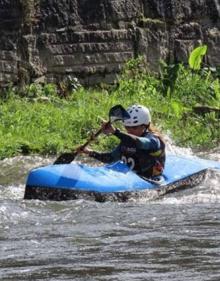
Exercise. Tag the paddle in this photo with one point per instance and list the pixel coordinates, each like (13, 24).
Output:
(116, 113)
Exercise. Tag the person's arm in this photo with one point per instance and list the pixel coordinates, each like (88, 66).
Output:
(145, 143)
(106, 157)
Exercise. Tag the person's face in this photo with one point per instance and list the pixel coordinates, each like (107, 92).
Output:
(137, 130)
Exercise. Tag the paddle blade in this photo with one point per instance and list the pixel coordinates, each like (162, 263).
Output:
(65, 158)
(118, 112)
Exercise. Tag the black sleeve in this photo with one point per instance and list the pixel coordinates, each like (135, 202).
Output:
(126, 138)
(103, 157)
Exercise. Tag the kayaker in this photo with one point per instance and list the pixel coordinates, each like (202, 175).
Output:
(142, 147)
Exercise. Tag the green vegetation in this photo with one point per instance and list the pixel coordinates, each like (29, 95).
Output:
(38, 120)
(196, 56)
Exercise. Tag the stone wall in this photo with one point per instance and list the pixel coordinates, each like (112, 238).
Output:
(92, 39)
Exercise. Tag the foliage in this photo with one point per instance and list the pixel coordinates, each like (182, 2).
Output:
(196, 56)
(169, 75)
(30, 124)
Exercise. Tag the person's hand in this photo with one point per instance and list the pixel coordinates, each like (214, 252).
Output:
(84, 150)
(107, 128)
(87, 150)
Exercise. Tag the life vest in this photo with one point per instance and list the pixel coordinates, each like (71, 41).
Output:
(146, 163)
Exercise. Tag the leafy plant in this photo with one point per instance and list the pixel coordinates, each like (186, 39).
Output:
(196, 56)
(169, 76)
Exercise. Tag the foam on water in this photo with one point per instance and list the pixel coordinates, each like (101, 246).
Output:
(11, 192)
(207, 192)
(13, 173)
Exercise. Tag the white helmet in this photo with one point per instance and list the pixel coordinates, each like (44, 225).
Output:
(139, 115)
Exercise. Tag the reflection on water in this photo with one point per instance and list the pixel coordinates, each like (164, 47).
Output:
(176, 237)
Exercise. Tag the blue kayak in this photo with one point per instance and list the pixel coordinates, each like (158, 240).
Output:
(114, 181)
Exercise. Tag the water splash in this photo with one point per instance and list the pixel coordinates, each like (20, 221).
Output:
(176, 150)
(207, 192)
(12, 192)
(13, 171)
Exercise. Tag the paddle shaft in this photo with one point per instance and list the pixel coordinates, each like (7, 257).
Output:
(92, 137)
(68, 157)
(116, 113)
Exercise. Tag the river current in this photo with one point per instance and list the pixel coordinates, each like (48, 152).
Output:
(172, 238)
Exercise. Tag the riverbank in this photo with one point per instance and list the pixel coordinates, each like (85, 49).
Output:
(39, 121)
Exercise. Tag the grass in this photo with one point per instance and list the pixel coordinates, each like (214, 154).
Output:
(32, 124)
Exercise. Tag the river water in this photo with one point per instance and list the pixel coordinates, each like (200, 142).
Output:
(176, 237)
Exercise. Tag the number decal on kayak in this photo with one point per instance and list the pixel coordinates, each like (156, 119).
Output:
(128, 161)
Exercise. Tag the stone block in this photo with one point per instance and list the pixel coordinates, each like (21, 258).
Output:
(96, 37)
